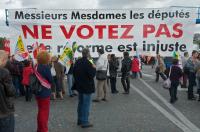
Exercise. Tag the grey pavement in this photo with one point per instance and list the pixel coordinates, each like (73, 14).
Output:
(122, 113)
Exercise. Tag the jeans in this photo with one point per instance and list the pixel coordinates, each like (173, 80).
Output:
(84, 103)
(7, 124)
(192, 79)
(16, 83)
(28, 93)
(173, 90)
(70, 81)
(125, 83)
(134, 75)
(113, 81)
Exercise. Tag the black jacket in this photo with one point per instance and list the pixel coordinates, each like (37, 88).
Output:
(126, 66)
(7, 91)
(176, 73)
(84, 75)
(113, 66)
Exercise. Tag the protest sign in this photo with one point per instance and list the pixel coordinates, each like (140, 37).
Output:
(148, 31)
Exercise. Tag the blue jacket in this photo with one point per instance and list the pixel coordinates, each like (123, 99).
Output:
(45, 72)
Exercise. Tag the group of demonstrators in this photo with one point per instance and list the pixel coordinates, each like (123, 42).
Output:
(182, 71)
(17, 80)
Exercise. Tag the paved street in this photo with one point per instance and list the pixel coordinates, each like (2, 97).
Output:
(146, 109)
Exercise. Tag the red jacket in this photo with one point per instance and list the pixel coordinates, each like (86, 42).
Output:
(135, 65)
(27, 71)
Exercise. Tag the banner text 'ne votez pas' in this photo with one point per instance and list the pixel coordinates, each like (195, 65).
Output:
(147, 31)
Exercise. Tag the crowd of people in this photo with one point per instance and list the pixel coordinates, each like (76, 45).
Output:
(184, 70)
(16, 78)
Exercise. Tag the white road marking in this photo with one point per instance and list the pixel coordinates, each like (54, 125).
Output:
(148, 75)
(163, 111)
(186, 121)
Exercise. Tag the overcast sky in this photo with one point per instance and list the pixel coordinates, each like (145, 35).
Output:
(94, 4)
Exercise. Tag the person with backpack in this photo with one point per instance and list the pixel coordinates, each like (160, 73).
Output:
(125, 69)
(175, 73)
(7, 91)
(27, 71)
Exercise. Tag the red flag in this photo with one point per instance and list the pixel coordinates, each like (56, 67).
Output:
(35, 49)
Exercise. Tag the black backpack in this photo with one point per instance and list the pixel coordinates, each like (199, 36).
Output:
(34, 84)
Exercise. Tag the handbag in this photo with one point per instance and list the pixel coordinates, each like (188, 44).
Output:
(101, 75)
(167, 83)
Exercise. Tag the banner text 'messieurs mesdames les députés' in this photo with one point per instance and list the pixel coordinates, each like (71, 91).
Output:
(147, 31)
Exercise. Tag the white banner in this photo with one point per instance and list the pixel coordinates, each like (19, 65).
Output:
(149, 31)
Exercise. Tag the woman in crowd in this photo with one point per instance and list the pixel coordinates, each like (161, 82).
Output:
(135, 67)
(175, 73)
(43, 96)
(160, 68)
(59, 75)
(7, 90)
(27, 71)
(113, 66)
